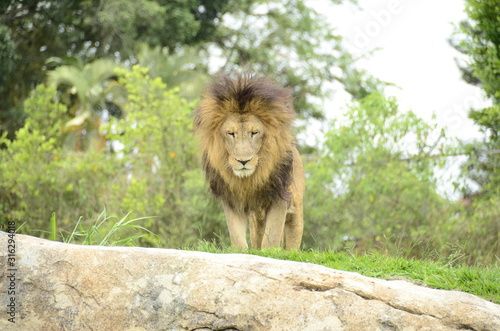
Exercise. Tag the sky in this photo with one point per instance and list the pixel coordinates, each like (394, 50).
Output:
(413, 53)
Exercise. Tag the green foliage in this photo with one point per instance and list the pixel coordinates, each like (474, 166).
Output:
(183, 69)
(478, 38)
(28, 172)
(34, 31)
(294, 44)
(163, 176)
(105, 231)
(150, 168)
(476, 233)
(373, 179)
(180, 41)
(87, 90)
(373, 186)
(7, 55)
(158, 23)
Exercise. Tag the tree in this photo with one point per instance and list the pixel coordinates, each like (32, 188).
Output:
(373, 178)
(478, 38)
(154, 172)
(286, 40)
(32, 31)
(161, 174)
(88, 90)
(292, 43)
(182, 69)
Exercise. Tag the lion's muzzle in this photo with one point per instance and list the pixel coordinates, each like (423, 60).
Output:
(243, 166)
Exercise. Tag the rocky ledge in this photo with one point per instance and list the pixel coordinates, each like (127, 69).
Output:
(49, 285)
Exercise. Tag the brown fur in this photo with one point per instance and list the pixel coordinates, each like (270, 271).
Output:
(270, 193)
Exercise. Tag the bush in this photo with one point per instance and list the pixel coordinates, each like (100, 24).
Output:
(154, 172)
(373, 181)
(161, 174)
(473, 236)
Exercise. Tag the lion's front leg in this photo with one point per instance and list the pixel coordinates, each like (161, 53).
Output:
(256, 222)
(237, 226)
(274, 224)
(294, 227)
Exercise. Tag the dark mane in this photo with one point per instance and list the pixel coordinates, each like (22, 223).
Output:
(279, 184)
(246, 88)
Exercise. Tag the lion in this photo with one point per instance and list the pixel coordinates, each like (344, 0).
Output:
(250, 161)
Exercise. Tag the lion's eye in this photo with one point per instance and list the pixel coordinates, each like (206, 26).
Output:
(254, 133)
(231, 134)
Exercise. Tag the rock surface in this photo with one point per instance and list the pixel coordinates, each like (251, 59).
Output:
(68, 287)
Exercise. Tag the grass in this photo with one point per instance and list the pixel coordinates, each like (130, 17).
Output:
(483, 282)
(104, 231)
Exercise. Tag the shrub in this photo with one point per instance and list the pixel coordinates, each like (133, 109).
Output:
(161, 175)
(149, 169)
(373, 181)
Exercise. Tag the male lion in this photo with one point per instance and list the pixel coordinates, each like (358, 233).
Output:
(245, 130)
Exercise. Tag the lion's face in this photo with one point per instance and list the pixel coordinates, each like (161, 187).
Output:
(243, 135)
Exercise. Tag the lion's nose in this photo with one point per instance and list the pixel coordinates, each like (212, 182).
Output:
(243, 162)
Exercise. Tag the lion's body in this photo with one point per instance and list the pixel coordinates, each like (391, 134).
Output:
(245, 131)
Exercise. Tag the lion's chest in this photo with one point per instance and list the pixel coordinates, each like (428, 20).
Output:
(251, 200)
(256, 192)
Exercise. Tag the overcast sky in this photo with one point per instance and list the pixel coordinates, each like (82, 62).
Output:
(414, 55)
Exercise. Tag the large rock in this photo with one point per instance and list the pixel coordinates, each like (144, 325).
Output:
(68, 287)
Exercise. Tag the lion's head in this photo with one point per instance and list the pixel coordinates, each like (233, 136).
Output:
(245, 129)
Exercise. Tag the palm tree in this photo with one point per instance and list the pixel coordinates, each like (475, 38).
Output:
(182, 69)
(91, 91)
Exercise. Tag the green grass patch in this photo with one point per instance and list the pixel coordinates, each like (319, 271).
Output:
(483, 282)
(104, 231)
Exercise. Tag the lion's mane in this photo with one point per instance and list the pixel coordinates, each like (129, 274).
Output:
(272, 104)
